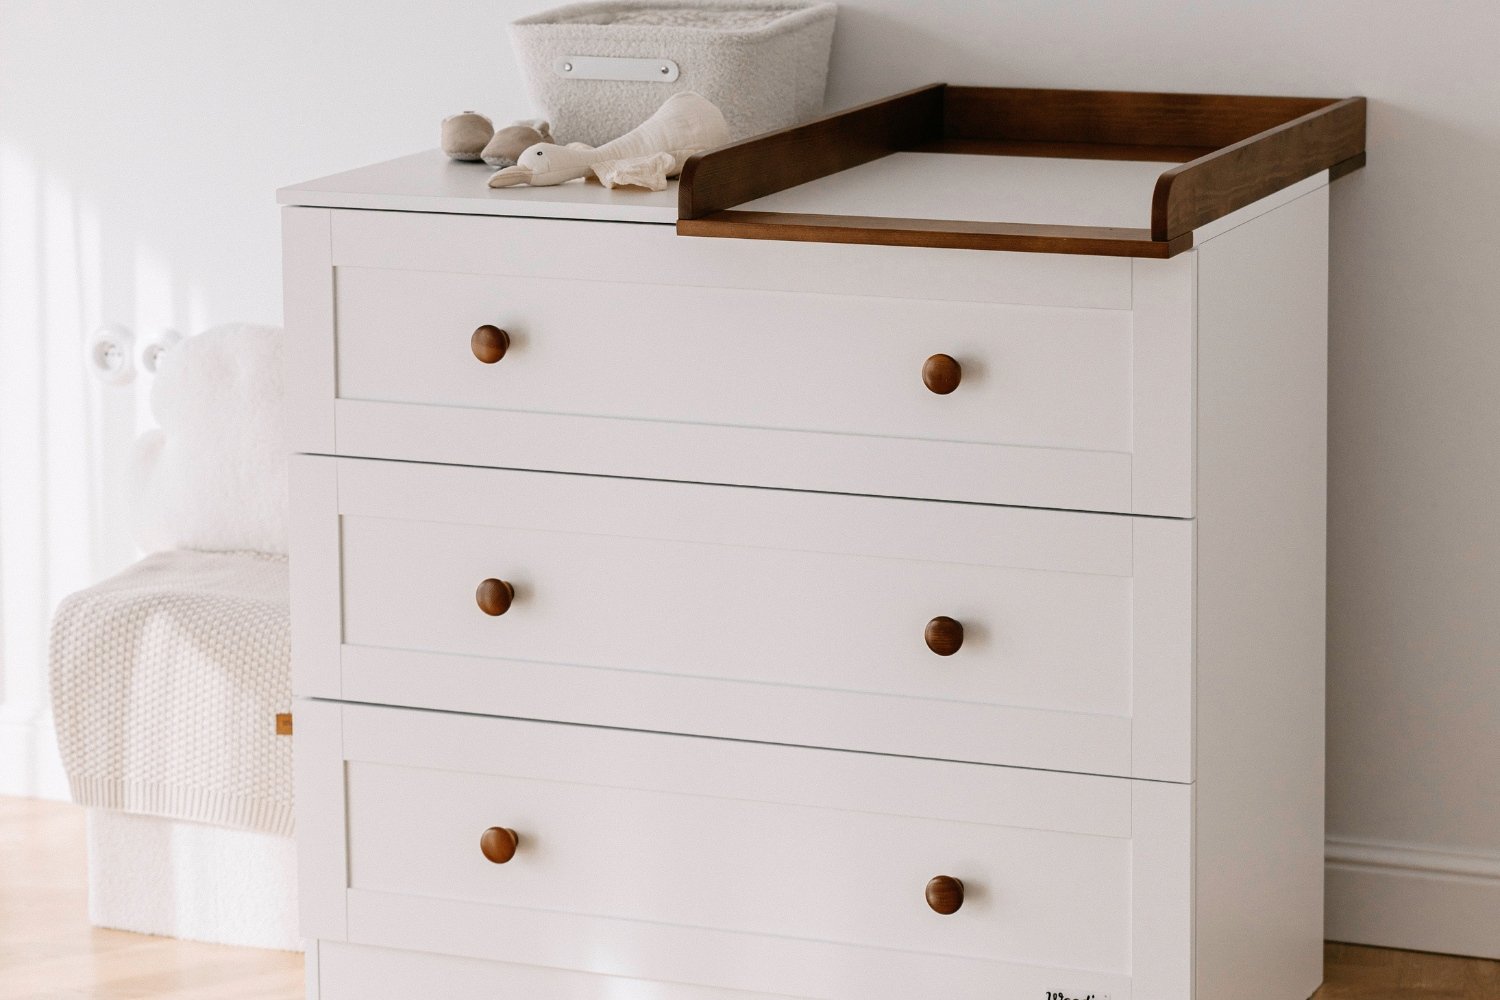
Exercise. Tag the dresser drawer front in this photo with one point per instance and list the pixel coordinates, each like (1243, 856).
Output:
(1034, 377)
(756, 614)
(633, 352)
(669, 842)
(711, 860)
(1056, 640)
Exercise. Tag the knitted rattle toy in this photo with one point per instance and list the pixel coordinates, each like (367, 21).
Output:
(646, 156)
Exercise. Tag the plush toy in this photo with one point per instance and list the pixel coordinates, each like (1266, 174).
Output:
(645, 156)
(504, 150)
(471, 136)
(464, 135)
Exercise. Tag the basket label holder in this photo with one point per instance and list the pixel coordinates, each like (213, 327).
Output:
(617, 68)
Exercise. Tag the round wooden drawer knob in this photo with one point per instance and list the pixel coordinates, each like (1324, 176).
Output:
(945, 894)
(499, 844)
(494, 596)
(941, 374)
(489, 343)
(944, 635)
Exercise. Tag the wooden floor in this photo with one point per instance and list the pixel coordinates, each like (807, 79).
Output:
(48, 949)
(1355, 973)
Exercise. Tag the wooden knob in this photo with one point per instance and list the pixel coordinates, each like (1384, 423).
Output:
(494, 596)
(945, 894)
(490, 343)
(499, 845)
(944, 635)
(941, 374)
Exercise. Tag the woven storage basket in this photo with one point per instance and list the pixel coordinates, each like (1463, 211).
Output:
(597, 70)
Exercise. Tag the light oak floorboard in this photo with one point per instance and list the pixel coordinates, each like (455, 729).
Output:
(1354, 972)
(48, 949)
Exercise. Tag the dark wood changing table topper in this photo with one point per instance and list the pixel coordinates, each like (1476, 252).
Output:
(1227, 151)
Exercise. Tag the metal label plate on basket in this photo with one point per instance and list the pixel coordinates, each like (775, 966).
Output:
(617, 68)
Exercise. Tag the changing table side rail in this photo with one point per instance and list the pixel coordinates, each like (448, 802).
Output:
(1237, 149)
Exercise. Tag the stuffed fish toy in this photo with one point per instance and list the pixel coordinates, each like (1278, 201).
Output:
(646, 156)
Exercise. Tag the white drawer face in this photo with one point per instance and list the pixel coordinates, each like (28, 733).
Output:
(643, 855)
(633, 352)
(731, 865)
(1035, 377)
(760, 614)
(1051, 639)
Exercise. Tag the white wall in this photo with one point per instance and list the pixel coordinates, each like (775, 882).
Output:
(140, 144)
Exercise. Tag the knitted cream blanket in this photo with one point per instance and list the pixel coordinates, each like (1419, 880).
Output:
(166, 681)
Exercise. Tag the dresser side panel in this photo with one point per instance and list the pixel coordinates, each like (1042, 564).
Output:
(1261, 502)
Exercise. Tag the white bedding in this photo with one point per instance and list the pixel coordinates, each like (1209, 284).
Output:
(166, 681)
(190, 880)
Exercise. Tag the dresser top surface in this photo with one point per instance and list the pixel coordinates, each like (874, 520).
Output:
(1019, 189)
(430, 182)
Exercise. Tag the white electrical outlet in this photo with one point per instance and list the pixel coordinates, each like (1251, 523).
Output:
(153, 350)
(110, 354)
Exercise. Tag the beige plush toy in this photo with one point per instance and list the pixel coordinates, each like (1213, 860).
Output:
(645, 156)
(504, 150)
(471, 136)
(465, 134)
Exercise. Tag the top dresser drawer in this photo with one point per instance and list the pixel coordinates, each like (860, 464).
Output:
(632, 352)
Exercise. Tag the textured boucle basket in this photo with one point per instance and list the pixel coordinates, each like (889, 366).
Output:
(764, 64)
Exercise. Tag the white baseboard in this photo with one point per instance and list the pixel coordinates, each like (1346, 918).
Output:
(29, 764)
(1405, 896)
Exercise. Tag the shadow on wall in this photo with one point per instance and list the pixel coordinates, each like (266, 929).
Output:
(138, 155)
(65, 438)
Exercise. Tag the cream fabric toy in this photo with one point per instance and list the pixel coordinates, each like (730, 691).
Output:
(463, 136)
(507, 145)
(469, 135)
(645, 156)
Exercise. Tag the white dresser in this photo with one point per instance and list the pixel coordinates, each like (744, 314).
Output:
(697, 649)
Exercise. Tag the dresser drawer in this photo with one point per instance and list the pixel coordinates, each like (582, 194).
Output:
(745, 358)
(776, 870)
(1071, 382)
(1035, 638)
